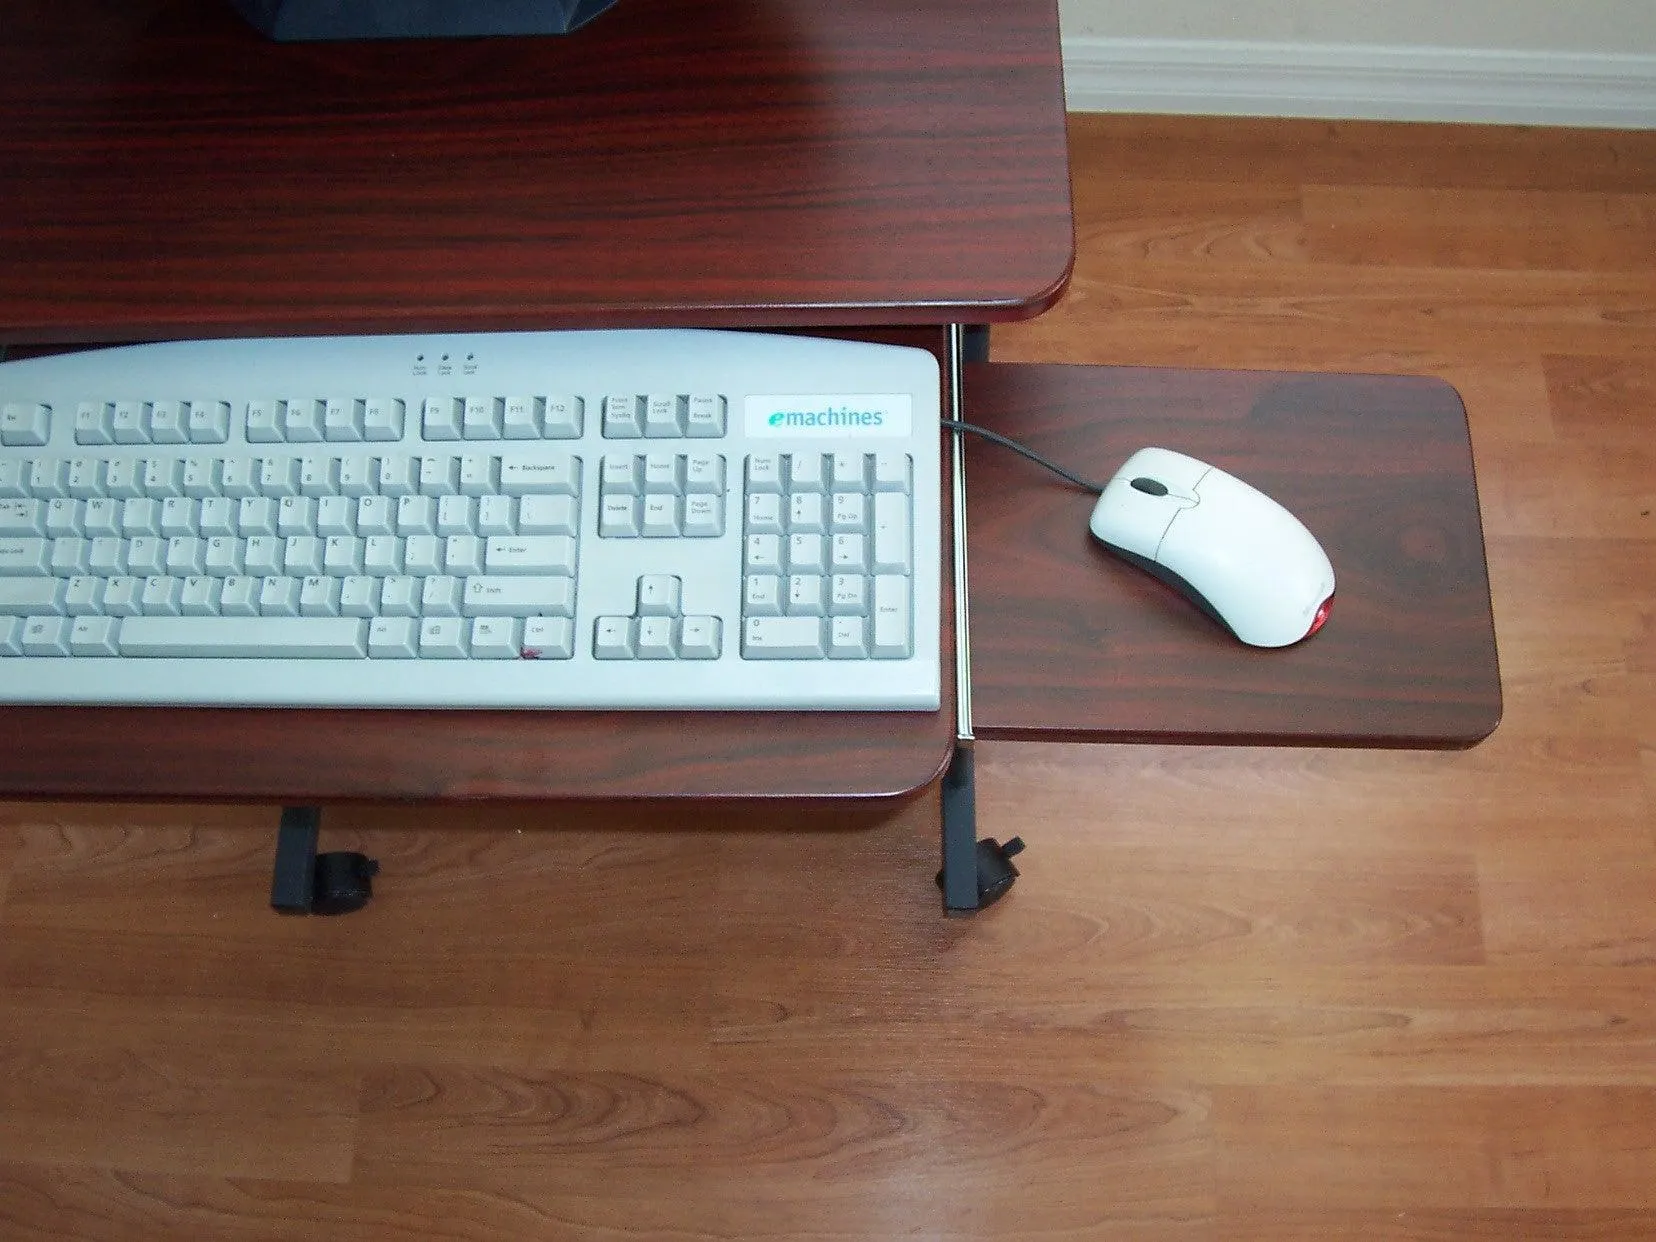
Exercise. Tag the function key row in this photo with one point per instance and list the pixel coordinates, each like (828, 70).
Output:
(342, 420)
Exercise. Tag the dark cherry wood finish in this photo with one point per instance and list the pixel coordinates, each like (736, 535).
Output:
(334, 756)
(1070, 642)
(169, 173)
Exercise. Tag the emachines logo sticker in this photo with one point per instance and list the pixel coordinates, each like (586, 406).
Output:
(848, 415)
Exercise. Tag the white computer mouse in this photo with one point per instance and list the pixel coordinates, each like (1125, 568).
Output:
(1237, 554)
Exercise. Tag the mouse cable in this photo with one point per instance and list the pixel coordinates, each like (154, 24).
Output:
(995, 437)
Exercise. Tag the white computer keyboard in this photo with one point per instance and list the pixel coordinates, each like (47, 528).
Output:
(618, 519)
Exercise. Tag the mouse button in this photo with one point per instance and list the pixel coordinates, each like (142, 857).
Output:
(1174, 471)
(1131, 520)
(1184, 499)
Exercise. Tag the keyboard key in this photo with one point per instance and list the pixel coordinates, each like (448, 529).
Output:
(319, 597)
(618, 517)
(238, 597)
(518, 597)
(530, 554)
(301, 420)
(546, 515)
(94, 636)
(806, 595)
(764, 514)
(292, 638)
(129, 422)
(494, 638)
(658, 517)
(463, 555)
(764, 473)
(763, 555)
(224, 557)
(704, 473)
(358, 596)
(263, 423)
(382, 419)
(394, 638)
(699, 638)
(442, 638)
(761, 596)
(663, 416)
(279, 596)
(806, 472)
(704, 416)
(848, 472)
(659, 595)
(440, 596)
(23, 597)
(655, 639)
(167, 423)
(548, 638)
(782, 638)
(557, 476)
(200, 597)
(805, 513)
(22, 517)
(892, 541)
(848, 638)
(400, 596)
(442, 418)
(848, 595)
(25, 424)
(623, 417)
(163, 596)
(46, 636)
(207, 422)
(806, 554)
(483, 418)
(564, 419)
(24, 557)
(11, 636)
(703, 517)
(891, 472)
(522, 418)
(612, 638)
(93, 421)
(893, 630)
(83, 596)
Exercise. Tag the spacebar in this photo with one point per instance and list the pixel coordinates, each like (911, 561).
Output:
(280, 638)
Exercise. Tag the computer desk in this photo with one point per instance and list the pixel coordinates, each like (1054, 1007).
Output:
(826, 164)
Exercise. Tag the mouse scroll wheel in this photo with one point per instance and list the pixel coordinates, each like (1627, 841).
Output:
(1150, 487)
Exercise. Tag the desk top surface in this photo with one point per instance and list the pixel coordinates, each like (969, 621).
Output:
(169, 172)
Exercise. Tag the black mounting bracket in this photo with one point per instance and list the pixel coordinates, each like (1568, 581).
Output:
(976, 873)
(305, 882)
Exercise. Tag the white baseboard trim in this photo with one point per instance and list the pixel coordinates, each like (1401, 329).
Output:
(1342, 81)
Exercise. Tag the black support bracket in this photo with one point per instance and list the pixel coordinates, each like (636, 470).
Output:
(305, 882)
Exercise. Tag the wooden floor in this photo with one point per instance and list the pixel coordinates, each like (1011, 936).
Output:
(1265, 995)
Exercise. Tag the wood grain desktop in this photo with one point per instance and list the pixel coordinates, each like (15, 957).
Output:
(169, 173)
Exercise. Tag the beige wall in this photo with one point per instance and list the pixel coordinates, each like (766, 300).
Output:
(1611, 26)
